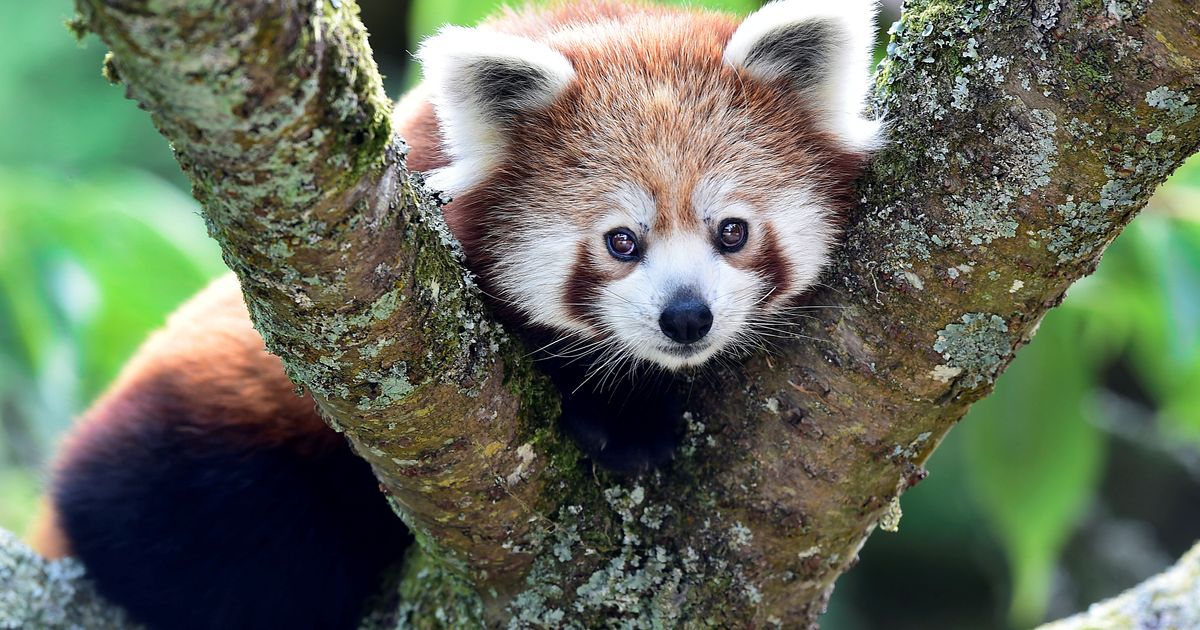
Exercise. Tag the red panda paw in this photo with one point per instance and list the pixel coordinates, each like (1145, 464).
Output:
(626, 429)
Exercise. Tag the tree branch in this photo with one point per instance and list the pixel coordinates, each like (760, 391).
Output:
(37, 593)
(1170, 599)
(1025, 135)
(278, 116)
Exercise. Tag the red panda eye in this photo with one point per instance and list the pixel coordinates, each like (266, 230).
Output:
(622, 244)
(732, 234)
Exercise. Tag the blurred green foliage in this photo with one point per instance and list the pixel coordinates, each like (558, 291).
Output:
(99, 240)
(1036, 446)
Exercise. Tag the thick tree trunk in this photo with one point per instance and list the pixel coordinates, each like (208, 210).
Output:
(1025, 135)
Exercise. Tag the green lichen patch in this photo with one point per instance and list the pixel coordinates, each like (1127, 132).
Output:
(1022, 157)
(1081, 225)
(940, 70)
(618, 563)
(390, 388)
(977, 345)
(460, 338)
(1176, 104)
(639, 583)
(911, 245)
(937, 46)
(616, 559)
(430, 596)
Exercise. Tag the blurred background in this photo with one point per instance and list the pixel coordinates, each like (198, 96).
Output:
(1079, 477)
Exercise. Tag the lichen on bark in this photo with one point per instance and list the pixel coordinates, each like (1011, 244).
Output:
(36, 593)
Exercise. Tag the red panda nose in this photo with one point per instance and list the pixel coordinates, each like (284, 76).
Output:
(686, 319)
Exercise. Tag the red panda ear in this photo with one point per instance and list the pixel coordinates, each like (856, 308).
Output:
(479, 80)
(825, 49)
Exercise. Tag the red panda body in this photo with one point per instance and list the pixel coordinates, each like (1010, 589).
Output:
(633, 186)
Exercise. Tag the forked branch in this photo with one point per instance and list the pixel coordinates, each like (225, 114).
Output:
(1025, 135)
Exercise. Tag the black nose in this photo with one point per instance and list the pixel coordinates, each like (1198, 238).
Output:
(686, 319)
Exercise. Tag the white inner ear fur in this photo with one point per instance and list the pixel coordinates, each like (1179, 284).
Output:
(477, 79)
(846, 80)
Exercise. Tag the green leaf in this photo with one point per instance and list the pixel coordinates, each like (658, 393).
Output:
(18, 498)
(740, 7)
(1173, 369)
(1033, 460)
(429, 15)
(1144, 301)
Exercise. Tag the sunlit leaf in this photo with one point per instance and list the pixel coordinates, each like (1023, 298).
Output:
(1188, 175)
(430, 15)
(740, 7)
(18, 493)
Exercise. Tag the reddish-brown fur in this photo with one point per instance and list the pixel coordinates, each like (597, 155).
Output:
(772, 264)
(209, 358)
(583, 286)
(210, 354)
(653, 103)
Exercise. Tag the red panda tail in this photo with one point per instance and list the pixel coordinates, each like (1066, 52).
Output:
(202, 492)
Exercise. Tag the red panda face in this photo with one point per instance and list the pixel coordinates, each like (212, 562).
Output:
(652, 184)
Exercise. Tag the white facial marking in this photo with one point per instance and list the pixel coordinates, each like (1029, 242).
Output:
(634, 209)
(806, 235)
(713, 202)
(533, 268)
(682, 263)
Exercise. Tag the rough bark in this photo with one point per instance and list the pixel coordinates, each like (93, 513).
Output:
(277, 114)
(36, 593)
(1170, 599)
(1025, 135)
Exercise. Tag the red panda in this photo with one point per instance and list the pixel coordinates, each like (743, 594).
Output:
(638, 189)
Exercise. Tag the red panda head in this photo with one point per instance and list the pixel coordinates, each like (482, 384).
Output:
(652, 183)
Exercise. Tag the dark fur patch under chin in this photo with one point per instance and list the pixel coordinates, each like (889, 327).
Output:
(629, 426)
